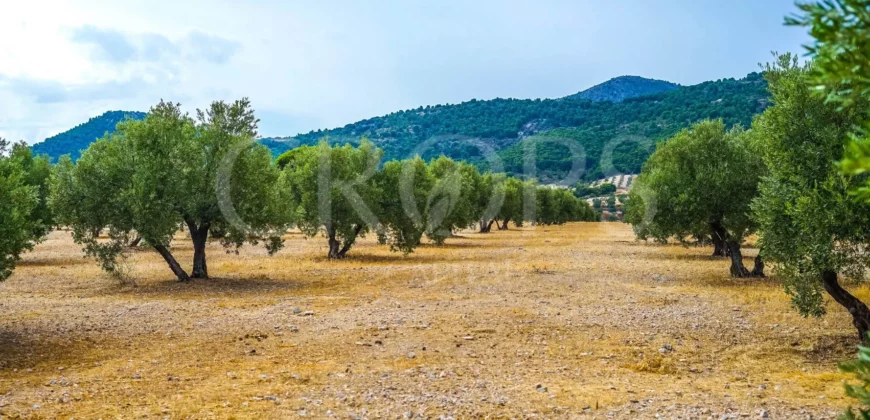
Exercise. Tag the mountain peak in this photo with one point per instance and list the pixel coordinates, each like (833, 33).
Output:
(621, 88)
(81, 136)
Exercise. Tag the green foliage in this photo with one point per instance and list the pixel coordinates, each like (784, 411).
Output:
(512, 209)
(841, 52)
(556, 206)
(406, 187)
(808, 222)
(332, 190)
(457, 200)
(37, 171)
(19, 229)
(702, 176)
(860, 368)
(73, 141)
(152, 176)
(582, 190)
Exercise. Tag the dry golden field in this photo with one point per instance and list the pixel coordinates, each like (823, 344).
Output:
(548, 322)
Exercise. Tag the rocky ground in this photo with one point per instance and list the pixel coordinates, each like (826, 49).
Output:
(578, 321)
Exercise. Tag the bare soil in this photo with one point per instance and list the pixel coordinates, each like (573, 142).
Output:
(576, 321)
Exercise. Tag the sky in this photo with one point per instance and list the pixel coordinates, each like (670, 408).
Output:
(307, 65)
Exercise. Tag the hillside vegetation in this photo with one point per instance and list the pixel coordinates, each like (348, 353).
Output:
(590, 119)
(78, 138)
(621, 88)
(506, 125)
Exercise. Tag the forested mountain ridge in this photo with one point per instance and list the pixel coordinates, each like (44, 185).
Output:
(504, 126)
(621, 88)
(78, 138)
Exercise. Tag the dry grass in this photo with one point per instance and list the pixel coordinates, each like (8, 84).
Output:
(581, 310)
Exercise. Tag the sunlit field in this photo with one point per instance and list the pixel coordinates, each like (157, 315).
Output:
(571, 321)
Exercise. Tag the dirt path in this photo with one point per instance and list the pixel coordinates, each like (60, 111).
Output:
(573, 321)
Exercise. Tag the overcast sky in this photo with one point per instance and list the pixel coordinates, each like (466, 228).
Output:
(308, 65)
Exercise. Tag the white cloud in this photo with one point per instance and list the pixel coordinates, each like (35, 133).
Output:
(309, 65)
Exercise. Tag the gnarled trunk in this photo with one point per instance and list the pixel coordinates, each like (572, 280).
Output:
(173, 264)
(720, 238)
(758, 269)
(737, 267)
(349, 243)
(336, 249)
(504, 225)
(486, 226)
(858, 310)
(199, 236)
(333, 243)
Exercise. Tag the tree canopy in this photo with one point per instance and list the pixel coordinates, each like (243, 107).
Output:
(810, 226)
(699, 183)
(332, 190)
(24, 216)
(169, 170)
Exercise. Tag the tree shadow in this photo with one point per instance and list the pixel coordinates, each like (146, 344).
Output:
(396, 258)
(687, 257)
(832, 347)
(207, 288)
(53, 261)
(22, 349)
(456, 245)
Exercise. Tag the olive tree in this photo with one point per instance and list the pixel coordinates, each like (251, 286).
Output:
(700, 182)
(511, 209)
(457, 199)
(490, 200)
(37, 173)
(809, 224)
(841, 29)
(557, 206)
(332, 191)
(406, 187)
(19, 201)
(169, 170)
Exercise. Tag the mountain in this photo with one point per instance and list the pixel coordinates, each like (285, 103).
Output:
(75, 140)
(606, 120)
(621, 88)
(629, 128)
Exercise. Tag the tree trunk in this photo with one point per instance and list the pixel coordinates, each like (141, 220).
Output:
(199, 236)
(349, 243)
(504, 225)
(719, 236)
(758, 270)
(333, 243)
(737, 267)
(173, 264)
(858, 310)
(486, 226)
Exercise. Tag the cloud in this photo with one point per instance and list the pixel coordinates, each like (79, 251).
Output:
(109, 44)
(113, 46)
(52, 92)
(211, 48)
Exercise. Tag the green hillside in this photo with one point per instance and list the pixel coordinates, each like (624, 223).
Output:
(621, 88)
(78, 138)
(504, 127)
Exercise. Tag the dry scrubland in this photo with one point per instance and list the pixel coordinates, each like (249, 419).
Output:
(540, 322)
